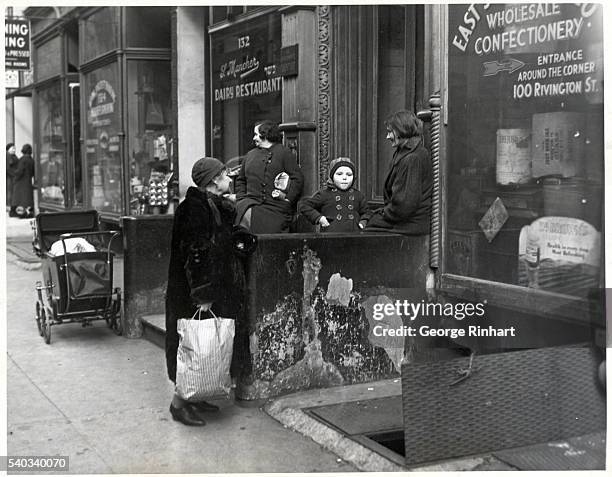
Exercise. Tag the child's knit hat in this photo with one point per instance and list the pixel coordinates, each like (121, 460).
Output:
(339, 162)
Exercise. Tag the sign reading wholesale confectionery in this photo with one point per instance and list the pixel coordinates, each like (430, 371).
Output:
(16, 44)
(546, 50)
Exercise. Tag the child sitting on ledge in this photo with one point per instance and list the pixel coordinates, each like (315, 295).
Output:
(337, 207)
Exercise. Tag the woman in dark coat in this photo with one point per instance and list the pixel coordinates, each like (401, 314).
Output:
(11, 166)
(409, 183)
(204, 270)
(266, 197)
(23, 189)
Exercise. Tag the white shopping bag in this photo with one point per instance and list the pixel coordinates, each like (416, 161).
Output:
(204, 357)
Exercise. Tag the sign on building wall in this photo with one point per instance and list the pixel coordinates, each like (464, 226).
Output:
(17, 44)
(11, 79)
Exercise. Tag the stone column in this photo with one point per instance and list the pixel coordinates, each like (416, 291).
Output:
(191, 80)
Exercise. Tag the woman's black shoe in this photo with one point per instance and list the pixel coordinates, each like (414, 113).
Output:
(186, 416)
(204, 406)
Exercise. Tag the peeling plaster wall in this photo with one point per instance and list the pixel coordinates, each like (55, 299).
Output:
(309, 326)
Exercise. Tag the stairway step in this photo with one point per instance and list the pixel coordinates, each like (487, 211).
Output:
(154, 329)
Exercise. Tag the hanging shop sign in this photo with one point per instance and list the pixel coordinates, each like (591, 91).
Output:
(534, 50)
(16, 44)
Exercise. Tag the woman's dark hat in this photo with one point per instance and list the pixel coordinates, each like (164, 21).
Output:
(205, 170)
(339, 162)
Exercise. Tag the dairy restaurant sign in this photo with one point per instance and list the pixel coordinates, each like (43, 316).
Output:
(248, 62)
(547, 50)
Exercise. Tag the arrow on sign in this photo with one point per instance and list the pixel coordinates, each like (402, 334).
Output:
(493, 67)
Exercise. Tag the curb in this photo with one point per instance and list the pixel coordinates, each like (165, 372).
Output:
(352, 452)
(363, 458)
(25, 262)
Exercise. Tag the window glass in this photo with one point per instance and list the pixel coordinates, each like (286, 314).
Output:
(75, 127)
(102, 141)
(246, 86)
(100, 33)
(47, 58)
(148, 27)
(51, 150)
(525, 144)
(150, 140)
(72, 47)
(218, 14)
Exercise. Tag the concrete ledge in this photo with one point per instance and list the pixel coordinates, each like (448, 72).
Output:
(154, 329)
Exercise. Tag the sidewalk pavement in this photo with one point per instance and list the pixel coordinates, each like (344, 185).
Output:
(103, 401)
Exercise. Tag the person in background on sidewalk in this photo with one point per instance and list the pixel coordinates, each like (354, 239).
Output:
(338, 206)
(11, 166)
(23, 186)
(409, 183)
(269, 183)
(204, 269)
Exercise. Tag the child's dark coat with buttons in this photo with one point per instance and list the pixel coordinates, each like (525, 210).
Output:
(342, 208)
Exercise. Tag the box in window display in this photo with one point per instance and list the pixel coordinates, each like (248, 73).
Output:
(575, 197)
(560, 254)
(471, 255)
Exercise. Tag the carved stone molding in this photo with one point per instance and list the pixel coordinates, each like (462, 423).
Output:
(435, 106)
(323, 13)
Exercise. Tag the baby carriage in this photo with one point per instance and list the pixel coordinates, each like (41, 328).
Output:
(77, 268)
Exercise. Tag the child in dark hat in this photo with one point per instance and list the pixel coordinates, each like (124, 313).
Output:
(337, 207)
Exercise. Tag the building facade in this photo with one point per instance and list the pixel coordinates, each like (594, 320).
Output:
(512, 96)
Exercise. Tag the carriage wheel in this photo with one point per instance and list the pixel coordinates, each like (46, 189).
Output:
(38, 318)
(46, 325)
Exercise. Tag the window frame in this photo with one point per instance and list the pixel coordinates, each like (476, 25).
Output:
(530, 301)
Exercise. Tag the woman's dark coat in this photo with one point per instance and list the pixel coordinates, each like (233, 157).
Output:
(342, 208)
(23, 191)
(203, 266)
(407, 192)
(11, 168)
(255, 183)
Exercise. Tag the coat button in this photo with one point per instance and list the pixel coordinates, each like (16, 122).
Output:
(351, 216)
(338, 217)
(351, 197)
(350, 206)
(337, 198)
(338, 206)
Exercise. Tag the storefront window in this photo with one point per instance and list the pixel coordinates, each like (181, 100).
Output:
(75, 128)
(51, 148)
(148, 27)
(246, 86)
(47, 54)
(102, 141)
(525, 145)
(150, 140)
(100, 33)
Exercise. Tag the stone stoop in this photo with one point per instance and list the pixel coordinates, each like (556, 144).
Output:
(154, 329)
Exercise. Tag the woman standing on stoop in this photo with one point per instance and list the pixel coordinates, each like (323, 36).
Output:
(204, 269)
